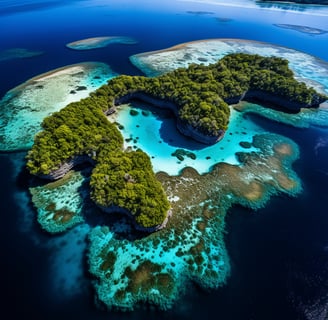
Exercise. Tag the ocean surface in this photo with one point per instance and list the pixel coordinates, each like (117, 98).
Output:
(278, 254)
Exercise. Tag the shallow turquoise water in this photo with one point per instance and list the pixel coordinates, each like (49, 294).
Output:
(159, 138)
(24, 107)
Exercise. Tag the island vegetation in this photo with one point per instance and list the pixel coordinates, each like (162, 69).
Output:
(198, 95)
(119, 179)
(126, 180)
(321, 2)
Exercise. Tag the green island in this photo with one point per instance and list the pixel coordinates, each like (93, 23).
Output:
(123, 180)
(321, 2)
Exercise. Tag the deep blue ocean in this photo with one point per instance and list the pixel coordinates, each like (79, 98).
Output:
(279, 254)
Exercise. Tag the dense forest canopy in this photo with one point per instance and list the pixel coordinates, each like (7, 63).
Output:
(126, 179)
(200, 93)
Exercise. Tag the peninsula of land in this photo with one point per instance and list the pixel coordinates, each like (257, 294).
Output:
(123, 180)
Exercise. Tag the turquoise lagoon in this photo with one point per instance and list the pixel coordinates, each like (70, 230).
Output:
(158, 136)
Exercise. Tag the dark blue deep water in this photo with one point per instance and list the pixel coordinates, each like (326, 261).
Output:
(279, 254)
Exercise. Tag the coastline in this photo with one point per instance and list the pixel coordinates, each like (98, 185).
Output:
(126, 212)
(65, 70)
(184, 45)
(26, 105)
(186, 130)
(69, 165)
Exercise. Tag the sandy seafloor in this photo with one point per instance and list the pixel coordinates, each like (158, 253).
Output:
(278, 255)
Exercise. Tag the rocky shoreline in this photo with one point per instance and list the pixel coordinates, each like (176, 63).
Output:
(264, 97)
(65, 167)
(121, 210)
(185, 129)
(78, 160)
(269, 98)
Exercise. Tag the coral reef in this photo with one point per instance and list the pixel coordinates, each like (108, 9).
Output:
(23, 108)
(98, 42)
(18, 53)
(59, 204)
(156, 269)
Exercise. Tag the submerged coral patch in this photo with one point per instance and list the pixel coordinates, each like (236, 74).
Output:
(59, 204)
(24, 107)
(303, 119)
(182, 153)
(99, 42)
(18, 53)
(300, 28)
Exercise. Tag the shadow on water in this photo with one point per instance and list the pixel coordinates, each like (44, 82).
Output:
(171, 135)
(119, 224)
(168, 131)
